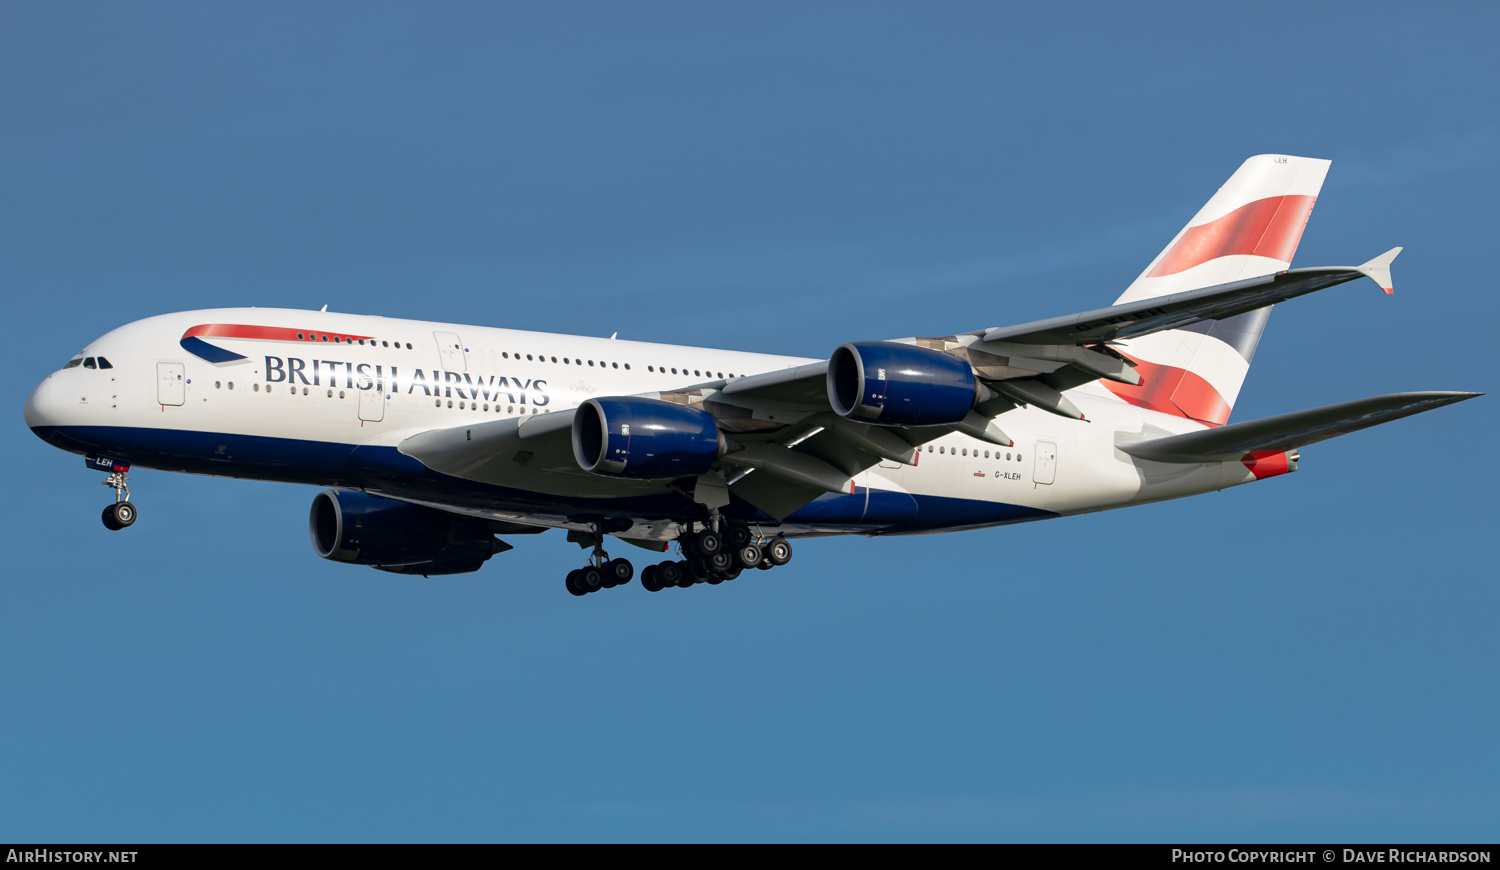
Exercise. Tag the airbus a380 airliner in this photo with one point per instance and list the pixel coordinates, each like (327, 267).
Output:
(435, 438)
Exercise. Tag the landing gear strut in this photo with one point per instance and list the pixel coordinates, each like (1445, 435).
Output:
(122, 513)
(601, 572)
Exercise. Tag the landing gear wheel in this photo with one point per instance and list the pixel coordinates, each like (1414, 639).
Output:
(668, 574)
(779, 551)
(120, 515)
(721, 562)
(737, 537)
(572, 583)
(733, 573)
(708, 543)
(648, 579)
(590, 579)
(748, 556)
(700, 570)
(617, 572)
(766, 564)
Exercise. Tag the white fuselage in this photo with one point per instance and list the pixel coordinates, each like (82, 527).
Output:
(295, 409)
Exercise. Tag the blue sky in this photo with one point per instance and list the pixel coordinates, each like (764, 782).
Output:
(1309, 658)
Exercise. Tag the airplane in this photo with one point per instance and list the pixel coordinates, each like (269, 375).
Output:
(434, 440)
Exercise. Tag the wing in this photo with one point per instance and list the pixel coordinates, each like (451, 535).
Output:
(792, 447)
(1137, 319)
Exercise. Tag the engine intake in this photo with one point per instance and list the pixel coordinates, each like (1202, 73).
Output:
(892, 384)
(647, 439)
(362, 529)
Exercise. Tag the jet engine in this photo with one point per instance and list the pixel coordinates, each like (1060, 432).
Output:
(362, 529)
(645, 438)
(892, 384)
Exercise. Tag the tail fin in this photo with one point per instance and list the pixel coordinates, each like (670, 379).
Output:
(1250, 227)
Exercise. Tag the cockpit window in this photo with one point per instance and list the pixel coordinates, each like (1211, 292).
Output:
(89, 363)
(104, 363)
(77, 361)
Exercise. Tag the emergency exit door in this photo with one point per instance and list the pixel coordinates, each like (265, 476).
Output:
(372, 403)
(451, 349)
(1045, 470)
(171, 386)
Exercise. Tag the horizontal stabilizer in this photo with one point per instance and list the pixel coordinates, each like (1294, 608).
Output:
(1289, 431)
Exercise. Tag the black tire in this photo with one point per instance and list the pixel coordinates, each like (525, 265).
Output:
(619, 571)
(766, 564)
(120, 515)
(669, 574)
(648, 579)
(590, 578)
(748, 556)
(708, 543)
(721, 562)
(737, 536)
(733, 573)
(572, 583)
(699, 570)
(779, 551)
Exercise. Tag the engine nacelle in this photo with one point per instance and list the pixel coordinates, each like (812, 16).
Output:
(645, 438)
(893, 384)
(362, 529)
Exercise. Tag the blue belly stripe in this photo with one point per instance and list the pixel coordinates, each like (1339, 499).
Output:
(322, 463)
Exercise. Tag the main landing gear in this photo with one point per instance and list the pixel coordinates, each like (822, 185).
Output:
(601, 572)
(711, 557)
(122, 513)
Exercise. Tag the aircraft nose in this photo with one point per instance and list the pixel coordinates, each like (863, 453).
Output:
(42, 405)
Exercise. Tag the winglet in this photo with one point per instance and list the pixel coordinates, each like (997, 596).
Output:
(1379, 270)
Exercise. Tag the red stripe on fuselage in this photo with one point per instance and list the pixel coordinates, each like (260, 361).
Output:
(266, 333)
(1269, 227)
(1174, 391)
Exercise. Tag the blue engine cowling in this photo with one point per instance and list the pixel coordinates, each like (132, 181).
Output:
(893, 384)
(645, 438)
(362, 529)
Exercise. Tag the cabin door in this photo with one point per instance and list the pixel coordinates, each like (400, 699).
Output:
(451, 349)
(1046, 462)
(171, 386)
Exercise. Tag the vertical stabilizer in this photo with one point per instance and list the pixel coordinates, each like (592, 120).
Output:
(1250, 227)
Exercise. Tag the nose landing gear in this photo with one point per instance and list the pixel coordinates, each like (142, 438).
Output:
(122, 513)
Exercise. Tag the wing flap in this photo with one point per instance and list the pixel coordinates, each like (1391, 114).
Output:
(1289, 431)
